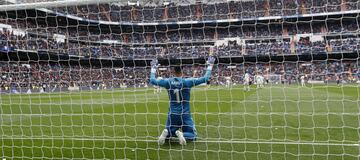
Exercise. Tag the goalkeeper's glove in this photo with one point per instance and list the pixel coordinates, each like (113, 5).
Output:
(154, 65)
(210, 61)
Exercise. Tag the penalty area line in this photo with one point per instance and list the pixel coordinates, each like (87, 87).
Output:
(198, 141)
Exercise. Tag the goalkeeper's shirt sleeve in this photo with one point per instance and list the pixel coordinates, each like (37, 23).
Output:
(158, 82)
(197, 81)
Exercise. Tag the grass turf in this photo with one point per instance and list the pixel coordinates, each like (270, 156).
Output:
(276, 122)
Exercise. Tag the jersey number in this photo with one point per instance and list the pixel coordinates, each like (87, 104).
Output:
(177, 94)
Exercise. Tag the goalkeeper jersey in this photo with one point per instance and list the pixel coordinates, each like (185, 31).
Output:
(179, 90)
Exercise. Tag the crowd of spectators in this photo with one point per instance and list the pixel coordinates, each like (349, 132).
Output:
(172, 43)
(11, 42)
(206, 11)
(162, 34)
(284, 72)
(55, 75)
(266, 40)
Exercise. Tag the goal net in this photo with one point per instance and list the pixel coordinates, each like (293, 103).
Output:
(75, 79)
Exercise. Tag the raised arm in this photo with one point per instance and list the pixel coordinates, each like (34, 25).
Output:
(153, 80)
(197, 81)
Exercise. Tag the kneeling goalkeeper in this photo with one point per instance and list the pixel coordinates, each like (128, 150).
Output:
(179, 121)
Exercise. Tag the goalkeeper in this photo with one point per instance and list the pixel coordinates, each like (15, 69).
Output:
(179, 121)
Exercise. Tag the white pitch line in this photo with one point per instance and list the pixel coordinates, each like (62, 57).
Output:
(198, 141)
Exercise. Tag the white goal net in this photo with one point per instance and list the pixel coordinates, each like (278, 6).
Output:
(78, 79)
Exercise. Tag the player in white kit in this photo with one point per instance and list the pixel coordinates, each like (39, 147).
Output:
(228, 82)
(302, 80)
(259, 81)
(247, 82)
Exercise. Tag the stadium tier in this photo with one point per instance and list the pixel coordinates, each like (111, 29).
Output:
(180, 79)
(22, 76)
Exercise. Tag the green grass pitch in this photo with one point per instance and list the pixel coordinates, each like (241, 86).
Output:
(276, 122)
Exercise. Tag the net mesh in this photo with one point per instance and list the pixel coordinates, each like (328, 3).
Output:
(74, 79)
